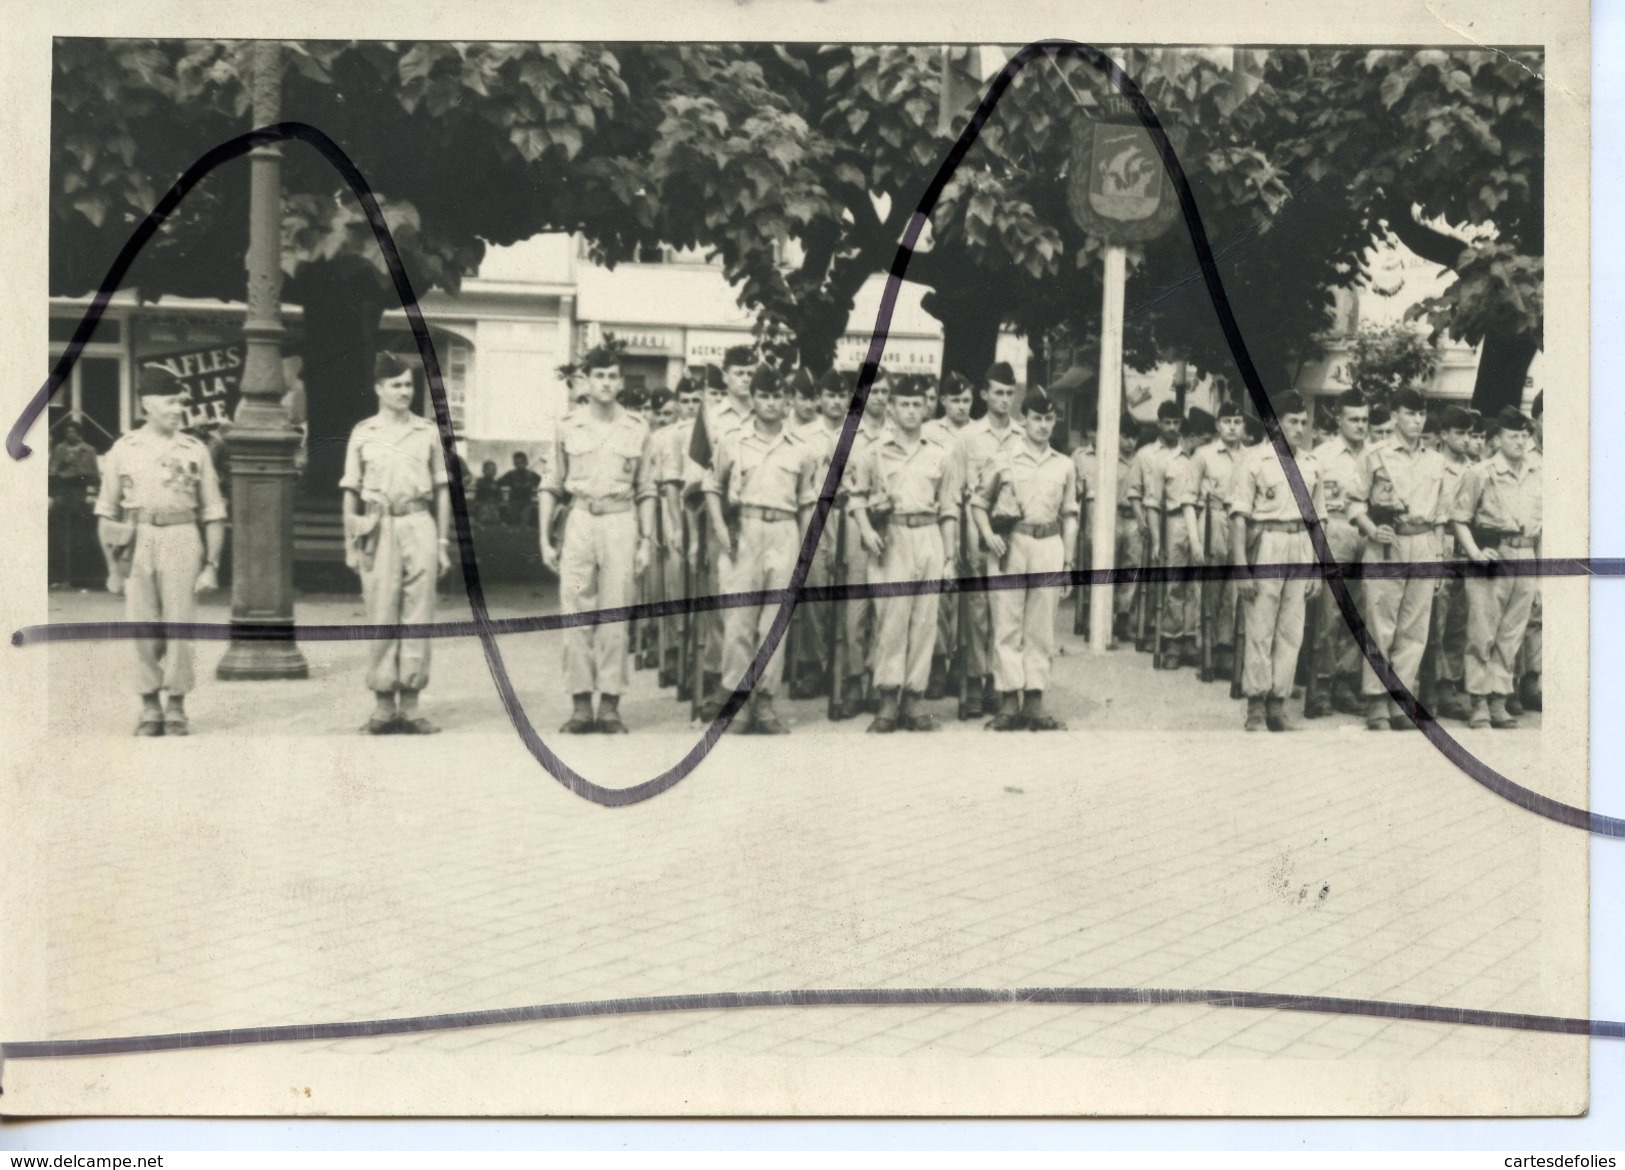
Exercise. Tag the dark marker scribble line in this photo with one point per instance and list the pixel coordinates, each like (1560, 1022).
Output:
(642, 611)
(1335, 575)
(818, 997)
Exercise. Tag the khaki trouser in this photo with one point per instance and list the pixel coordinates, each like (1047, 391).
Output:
(1130, 555)
(164, 568)
(1397, 611)
(1181, 617)
(906, 627)
(1529, 656)
(1336, 651)
(812, 618)
(767, 554)
(1223, 603)
(1497, 614)
(1024, 619)
(1453, 638)
(858, 613)
(399, 588)
(978, 608)
(1274, 617)
(595, 572)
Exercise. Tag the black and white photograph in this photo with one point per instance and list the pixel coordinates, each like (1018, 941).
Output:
(796, 572)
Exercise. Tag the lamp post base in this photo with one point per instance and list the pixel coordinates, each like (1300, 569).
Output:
(262, 657)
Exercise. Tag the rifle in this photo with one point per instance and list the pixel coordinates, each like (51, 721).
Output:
(1162, 591)
(1142, 588)
(1240, 644)
(686, 623)
(962, 634)
(696, 658)
(1080, 614)
(837, 625)
(1205, 600)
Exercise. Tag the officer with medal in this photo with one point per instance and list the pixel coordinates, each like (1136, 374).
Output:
(161, 524)
(397, 523)
(608, 541)
(1026, 508)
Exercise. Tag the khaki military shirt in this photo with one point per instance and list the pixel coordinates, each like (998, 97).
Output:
(155, 473)
(598, 459)
(1181, 482)
(1216, 464)
(1261, 491)
(1393, 476)
(1145, 473)
(940, 430)
(909, 478)
(768, 471)
(1495, 496)
(1044, 481)
(978, 443)
(394, 464)
(1342, 473)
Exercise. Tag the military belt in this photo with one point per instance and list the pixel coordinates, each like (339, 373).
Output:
(914, 519)
(1519, 541)
(1125, 510)
(160, 519)
(603, 505)
(1039, 531)
(1411, 528)
(1277, 525)
(762, 512)
(409, 507)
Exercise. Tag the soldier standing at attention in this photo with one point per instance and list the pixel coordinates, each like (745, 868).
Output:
(957, 397)
(1145, 492)
(1216, 465)
(727, 409)
(762, 474)
(1340, 460)
(1180, 492)
(397, 518)
(608, 540)
(1497, 517)
(858, 613)
(804, 392)
(908, 515)
(158, 485)
(1395, 502)
(1266, 528)
(807, 672)
(979, 442)
(1449, 636)
(1029, 491)
(669, 451)
(1528, 675)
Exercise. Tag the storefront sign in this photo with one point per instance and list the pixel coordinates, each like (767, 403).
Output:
(637, 339)
(908, 355)
(212, 377)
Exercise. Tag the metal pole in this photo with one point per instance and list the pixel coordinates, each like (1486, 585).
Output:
(1102, 554)
(261, 442)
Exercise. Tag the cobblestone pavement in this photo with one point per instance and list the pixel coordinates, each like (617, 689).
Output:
(1153, 844)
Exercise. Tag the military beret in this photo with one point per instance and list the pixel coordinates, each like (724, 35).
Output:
(766, 381)
(833, 382)
(158, 382)
(1380, 415)
(1409, 398)
(739, 355)
(908, 386)
(1001, 373)
(1289, 402)
(388, 365)
(956, 384)
(802, 384)
(1232, 408)
(1456, 419)
(634, 397)
(659, 398)
(1198, 422)
(685, 385)
(1350, 400)
(1538, 406)
(600, 357)
(1512, 419)
(1168, 410)
(713, 378)
(1035, 401)
(1478, 422)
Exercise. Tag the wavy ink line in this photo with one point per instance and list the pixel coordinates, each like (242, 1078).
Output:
(1101, 63)
(644, 610)
(817, 997)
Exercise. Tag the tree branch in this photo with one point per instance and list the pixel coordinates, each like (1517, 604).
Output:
(1426, 242)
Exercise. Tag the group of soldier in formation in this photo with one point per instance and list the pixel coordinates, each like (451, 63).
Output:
(709, 489)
